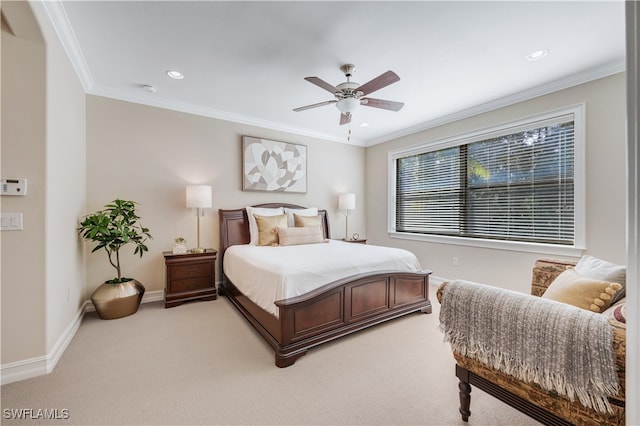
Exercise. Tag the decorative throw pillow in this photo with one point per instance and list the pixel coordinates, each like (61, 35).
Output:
(617, 313)
(311, 211)
(268, 228)
(301, 221)
(300, 235)
(599, 269)
(586, 293)
(253, 226)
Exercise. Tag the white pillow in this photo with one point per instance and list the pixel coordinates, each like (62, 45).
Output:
(254, 233)
(311, 211)
(598, 269)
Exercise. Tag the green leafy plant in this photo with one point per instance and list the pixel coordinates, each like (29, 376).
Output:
(115, 226)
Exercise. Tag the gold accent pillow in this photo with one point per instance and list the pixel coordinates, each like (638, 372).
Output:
(268, 228)
(311, 211)
(300, 235)
(586, 293)
(302, 221)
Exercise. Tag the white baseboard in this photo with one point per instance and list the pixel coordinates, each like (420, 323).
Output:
(39, 366)
(22, 370)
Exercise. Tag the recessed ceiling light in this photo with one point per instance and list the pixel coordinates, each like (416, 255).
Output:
(537, 54)
(364, 124)
(177, 75)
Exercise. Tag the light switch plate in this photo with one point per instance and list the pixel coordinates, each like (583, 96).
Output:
(11, 221)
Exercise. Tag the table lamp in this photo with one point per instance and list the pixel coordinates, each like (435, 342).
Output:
(346, 202)
(199, 196)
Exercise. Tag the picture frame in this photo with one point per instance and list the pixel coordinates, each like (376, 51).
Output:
(273, 166)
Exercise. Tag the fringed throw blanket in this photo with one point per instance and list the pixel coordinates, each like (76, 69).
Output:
(558, 346)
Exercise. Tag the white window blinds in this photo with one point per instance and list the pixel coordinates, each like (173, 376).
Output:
(515, 185)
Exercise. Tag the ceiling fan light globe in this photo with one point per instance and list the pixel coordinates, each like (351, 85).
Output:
(348, 105)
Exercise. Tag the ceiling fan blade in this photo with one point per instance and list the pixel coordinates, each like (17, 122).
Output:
(321, 83)
(314, 105)
(345, 118)
(381, 103)
(383, 80)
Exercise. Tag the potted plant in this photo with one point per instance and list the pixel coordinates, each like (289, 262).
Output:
(113, 227)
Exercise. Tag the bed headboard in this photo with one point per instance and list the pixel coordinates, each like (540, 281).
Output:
(234, 225)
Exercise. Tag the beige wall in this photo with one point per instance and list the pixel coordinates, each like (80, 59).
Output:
(65, 182)
(43, 140)
(150, 155)
(605, 186)
(23, 155)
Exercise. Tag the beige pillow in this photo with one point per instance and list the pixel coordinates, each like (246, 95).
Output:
(268, 228)
(300, 235)
(302, 221)
(586, 293)
(311, 211)
(253, 226)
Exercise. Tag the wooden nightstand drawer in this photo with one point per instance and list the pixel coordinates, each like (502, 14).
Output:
(190, 276)
(190, 284)
(192, 270)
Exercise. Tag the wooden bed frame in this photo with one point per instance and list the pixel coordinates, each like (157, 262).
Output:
(329, 312)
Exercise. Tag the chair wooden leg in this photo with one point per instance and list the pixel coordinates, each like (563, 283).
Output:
(465, 392)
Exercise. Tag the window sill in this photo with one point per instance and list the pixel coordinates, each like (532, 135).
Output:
(548, 249)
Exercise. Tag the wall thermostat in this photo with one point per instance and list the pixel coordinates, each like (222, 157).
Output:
(14, 186)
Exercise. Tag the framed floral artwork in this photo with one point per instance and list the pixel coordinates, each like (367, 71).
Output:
(273, 166)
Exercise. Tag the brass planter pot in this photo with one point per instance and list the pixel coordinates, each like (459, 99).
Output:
(114, 301)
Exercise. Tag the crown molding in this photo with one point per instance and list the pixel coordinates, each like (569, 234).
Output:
(545, 89)
(159, 102)
(60, 21)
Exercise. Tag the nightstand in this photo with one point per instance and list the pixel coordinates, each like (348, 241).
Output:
(190, 276)
(357, 241)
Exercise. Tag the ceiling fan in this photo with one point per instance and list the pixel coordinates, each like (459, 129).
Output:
(350, 95)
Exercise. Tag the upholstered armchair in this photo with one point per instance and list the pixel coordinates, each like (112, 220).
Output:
(546, 406)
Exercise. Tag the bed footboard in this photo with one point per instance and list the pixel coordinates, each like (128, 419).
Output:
(335, 310)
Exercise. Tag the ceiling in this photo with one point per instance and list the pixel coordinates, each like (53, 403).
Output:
(246, 61)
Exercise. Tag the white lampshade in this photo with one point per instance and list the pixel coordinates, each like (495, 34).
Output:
(347, 201)
(199, 196)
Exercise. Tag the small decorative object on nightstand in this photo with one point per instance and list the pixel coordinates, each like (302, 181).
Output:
(181, 246)
(190, 277)
(355, 238)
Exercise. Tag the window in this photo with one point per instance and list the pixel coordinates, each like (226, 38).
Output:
(517, 183)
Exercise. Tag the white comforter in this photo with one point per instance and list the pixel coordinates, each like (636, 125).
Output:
(265, 274)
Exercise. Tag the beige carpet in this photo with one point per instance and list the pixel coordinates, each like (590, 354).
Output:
(201, 363)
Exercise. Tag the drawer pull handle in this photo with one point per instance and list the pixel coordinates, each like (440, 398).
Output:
(192, 271)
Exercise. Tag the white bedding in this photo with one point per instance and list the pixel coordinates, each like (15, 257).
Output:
(265, 274)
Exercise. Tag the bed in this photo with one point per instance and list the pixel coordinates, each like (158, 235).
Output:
(335, 309)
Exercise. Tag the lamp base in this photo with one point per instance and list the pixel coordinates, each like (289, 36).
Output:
(198, 250)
